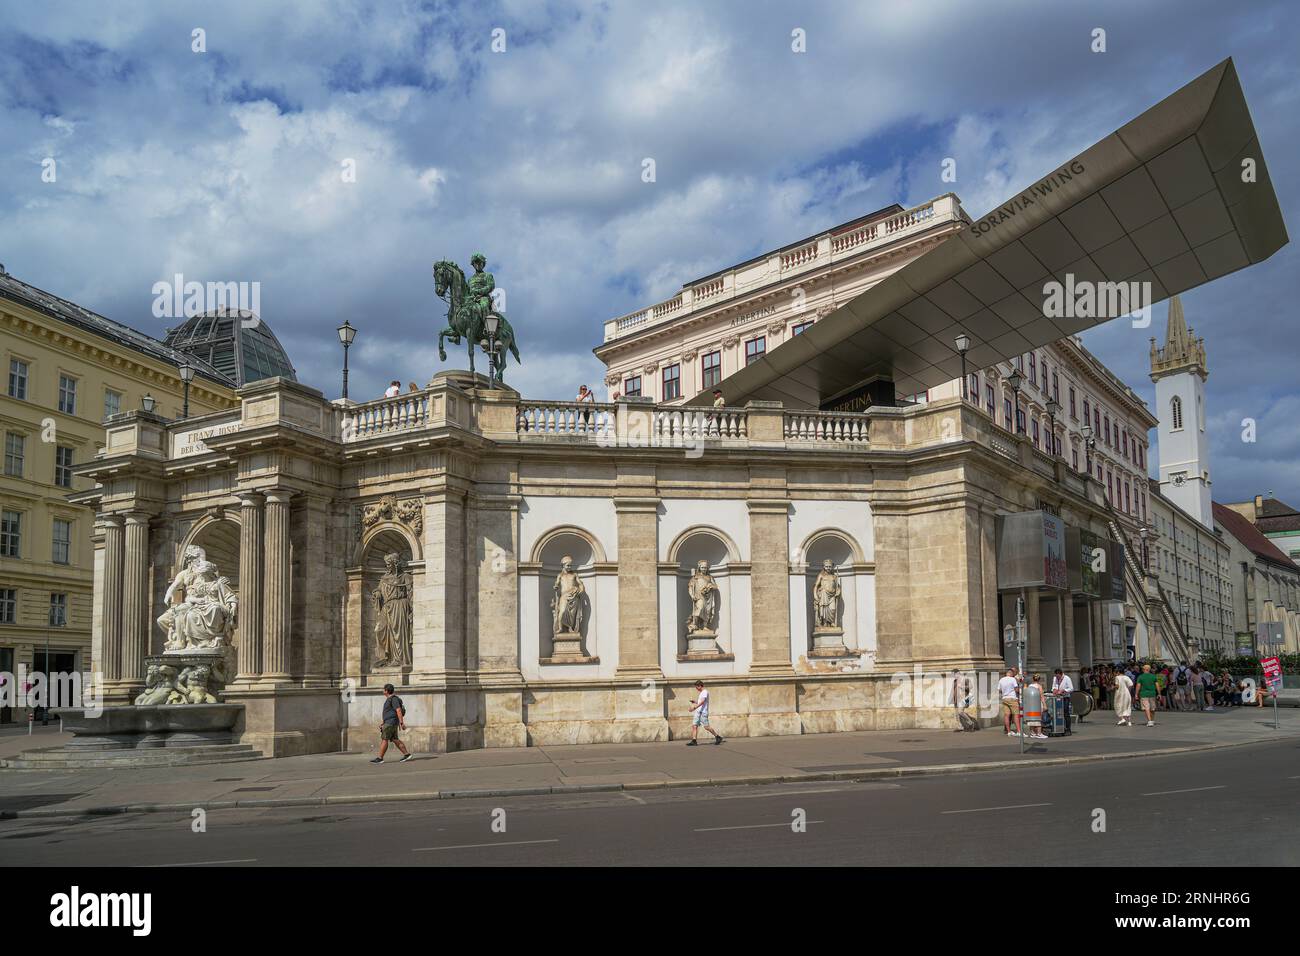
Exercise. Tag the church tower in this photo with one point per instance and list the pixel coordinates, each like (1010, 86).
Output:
(1179, 371)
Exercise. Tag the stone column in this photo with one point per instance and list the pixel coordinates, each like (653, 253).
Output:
(135, 599)
(1069, 659)
(1034, 660)
(251, 543)
(638, 591)
(114, 558)
(769, 545)
(277, 589)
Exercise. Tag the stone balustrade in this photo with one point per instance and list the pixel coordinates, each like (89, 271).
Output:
(385, 416)
(671, 426)
(834, 427)
(814, 254)
(566, 418)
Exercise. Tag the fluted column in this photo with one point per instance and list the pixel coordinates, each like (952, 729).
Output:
(251, 524)
(135, 598)
(276, 591)
(112, 624)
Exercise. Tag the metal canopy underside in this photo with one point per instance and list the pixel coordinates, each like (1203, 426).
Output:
(1160, 201)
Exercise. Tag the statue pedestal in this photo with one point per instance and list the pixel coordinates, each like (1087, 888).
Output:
(703, 646)
(567, 649)
(828, 642)
(380, 675)
(180, 672)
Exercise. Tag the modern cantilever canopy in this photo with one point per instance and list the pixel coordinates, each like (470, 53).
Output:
(1177, 197)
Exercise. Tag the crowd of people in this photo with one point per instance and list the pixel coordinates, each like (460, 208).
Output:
(1159, 686)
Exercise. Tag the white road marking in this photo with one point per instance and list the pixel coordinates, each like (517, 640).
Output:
(634, 798)
(475, 846)
(752, 826)
(1018, 806)
(154, 866)
(1161, 793)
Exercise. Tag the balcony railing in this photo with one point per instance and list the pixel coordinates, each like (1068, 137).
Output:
(566, 418)
(385, 416)
(672, 426)
(838, 427)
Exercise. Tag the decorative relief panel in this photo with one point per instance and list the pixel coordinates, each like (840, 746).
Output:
(409, 512)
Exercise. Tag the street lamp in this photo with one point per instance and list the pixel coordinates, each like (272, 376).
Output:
(1144, 533)
(491, 324)
(148, 402)
(1089, 443)
(1015, 379)
(346, 334)
(187, 376)
(1053, 406)
(1187, 610)
(963, 346)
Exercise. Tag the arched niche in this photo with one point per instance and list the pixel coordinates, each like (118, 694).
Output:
(846, 558)
(375, 548)
(717, 550)
(549, 554)
(219, 539)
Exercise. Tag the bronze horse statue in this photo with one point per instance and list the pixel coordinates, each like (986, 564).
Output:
(466, 320)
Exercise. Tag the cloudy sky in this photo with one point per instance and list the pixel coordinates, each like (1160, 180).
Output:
(228, 164)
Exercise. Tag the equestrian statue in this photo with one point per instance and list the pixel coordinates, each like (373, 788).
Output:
(469, 304)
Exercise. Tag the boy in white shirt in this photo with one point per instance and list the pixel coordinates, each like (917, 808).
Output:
(700, 708)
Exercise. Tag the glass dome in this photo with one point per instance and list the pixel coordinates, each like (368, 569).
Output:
(236, 343)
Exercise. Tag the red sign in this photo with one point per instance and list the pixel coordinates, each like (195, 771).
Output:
(1272, 671)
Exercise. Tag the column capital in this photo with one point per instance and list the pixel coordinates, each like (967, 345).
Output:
(138, 517)
(279, 495)
(635, 505)
(112, 518)
(250, 498)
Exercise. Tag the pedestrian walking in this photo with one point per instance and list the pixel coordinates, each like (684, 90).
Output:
(1196, 687)
(1148, 688)
(961, 699)
(1182, 686)
(1009, 691)
(700, 707)
(1209, 686)
(1123, 697)
(394, 717)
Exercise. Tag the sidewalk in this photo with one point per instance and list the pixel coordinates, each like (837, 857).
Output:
(349, 777)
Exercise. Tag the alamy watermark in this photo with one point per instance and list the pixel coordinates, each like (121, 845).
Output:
(185, 299)
(33, 689)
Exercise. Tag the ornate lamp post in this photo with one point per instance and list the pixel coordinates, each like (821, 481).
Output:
(187, 376)
(148, 402)
(1089, 443)
(346, 334)
(1015, 379)
(963, 346)
(1145, 533)
(1053, 406)
(490, 326)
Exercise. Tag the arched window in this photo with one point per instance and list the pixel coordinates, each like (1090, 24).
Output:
(1176, 412)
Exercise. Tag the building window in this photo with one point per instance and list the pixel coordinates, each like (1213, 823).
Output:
(1020, 419)
(989, 402)
(1033, 368)
(17, 379)
(755, 348)
(67, 395)
(1074, 458)
(11, 534)
(112, 403)
(802, 327)
(1074, 411)
(1087, 411)
(1096, 422)
(1105, 435)
(711, 364)
(1006, 414)
(1110, 485)
(63, 466)
(632, 386)
(1056, 387)
(14, 454)
(1034, 425)
(672, 382)
(8, 606)
(58, 610)
(1128, 507)
(61, 547)
(1176, 413)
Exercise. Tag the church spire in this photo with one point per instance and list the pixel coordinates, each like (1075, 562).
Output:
(1182, 351)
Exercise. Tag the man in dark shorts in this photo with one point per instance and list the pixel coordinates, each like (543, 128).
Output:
(394, 717)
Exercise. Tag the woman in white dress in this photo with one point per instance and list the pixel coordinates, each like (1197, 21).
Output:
(1123, 699)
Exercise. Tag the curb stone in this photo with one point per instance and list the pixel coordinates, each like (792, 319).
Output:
(826, 776)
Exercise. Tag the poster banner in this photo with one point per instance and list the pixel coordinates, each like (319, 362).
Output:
(1031, 551)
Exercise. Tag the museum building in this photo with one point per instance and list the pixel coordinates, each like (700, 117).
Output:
(534, 572)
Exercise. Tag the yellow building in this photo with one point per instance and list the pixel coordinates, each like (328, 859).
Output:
(67, 370)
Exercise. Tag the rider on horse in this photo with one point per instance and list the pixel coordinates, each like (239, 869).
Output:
(481, 287)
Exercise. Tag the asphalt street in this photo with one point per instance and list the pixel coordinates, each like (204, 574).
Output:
(1202, 809)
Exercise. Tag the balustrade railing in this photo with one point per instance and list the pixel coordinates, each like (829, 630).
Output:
(385, 416)
(566, 418)
(669, 426)
(838, 427)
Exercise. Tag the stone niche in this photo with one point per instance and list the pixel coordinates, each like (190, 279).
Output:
(584, 558)
(710, 547)
(363, 610)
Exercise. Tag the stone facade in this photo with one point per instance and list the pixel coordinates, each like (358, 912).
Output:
(481, 494)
